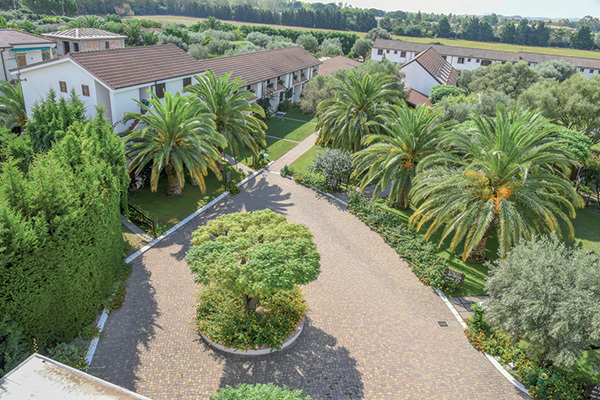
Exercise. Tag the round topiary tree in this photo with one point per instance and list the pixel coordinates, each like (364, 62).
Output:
(259, 391)
(251, 264)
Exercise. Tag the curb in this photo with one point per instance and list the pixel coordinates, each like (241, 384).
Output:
(494, 362)
(100, 325)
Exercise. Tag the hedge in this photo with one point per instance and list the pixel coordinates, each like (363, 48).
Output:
(60, 233)
(419, 253)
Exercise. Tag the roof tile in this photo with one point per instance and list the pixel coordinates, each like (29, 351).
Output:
(13, 37)
(83, 34)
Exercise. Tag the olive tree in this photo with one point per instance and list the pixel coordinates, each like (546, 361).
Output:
(332, 164)
(549, 294)
(253, 254)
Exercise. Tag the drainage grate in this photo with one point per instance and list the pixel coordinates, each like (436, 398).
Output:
(443, 324)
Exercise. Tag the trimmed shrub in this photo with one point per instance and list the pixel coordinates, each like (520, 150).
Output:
(440, 91)
(259, 391)
(13, 345)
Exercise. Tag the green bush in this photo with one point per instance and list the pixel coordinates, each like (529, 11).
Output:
(69, 354)
(441, 91)
(287, 171)
(259, 391)
(232, 188)
(560, 385)
(316, 181)
(224, 319)
(419, 253)
(13, 345)
(61, 239)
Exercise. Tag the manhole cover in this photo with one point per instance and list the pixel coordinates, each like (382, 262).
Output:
(443, 324)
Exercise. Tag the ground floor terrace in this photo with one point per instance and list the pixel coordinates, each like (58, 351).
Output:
(372, 330)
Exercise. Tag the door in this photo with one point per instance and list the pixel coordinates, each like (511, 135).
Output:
(67, 46)
(21, 60)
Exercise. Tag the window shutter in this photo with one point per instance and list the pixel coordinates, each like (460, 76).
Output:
(85, 90)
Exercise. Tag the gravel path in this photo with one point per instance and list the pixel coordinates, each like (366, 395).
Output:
(371, 333)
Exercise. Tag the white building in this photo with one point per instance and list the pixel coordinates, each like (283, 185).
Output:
(270, 73)
(463, 58)
(111, 78)
(19, 49)
(39, 377)
(426, 70)
(85, 39)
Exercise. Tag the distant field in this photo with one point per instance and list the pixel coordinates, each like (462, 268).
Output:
(187, 21)
(503, 47)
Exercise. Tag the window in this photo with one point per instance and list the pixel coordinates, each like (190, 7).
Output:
(63, 86)
(75, 46)
(485, 63)
(67, 47)
(581, 70)
(591, 71)
(107, 45)
(461, 60)
(85, 90)
(160, 90)
(387, 51)
(477, 61)
(249, 87)
(379, 52)
(187, 82)
(395, 51)
(281, 96)
(469, 60)
(21, 60)
(403, 54)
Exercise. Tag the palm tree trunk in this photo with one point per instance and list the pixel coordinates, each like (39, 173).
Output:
(251, 302)
(173, 184)
(402, 203)
(478, 253)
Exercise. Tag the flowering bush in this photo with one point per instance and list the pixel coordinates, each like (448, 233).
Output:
(559, 385)
(409, 245)
(224, 319)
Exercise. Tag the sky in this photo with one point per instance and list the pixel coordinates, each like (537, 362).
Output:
(526, 8)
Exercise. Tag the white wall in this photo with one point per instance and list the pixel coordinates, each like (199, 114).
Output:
(392, 55)
(10, 60)
(416, 77)
(38, 82)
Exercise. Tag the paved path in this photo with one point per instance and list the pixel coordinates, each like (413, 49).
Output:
(371, 333)
(286, 139)
(294, 153)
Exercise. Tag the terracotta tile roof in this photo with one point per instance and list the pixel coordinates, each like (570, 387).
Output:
(262, 65)
(484, 54)
(435, 64)
(14, 37)
(416, 98)
(130, 66)
(333, 64)
(84, 34)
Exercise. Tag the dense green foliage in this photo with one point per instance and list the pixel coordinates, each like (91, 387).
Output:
(560, 384)
(13, 345)
(556, 69)
(333, 164)
(253, 255)
(235, 117)
(60, 235)
(412, 247)
(12, 106)
(259, 391)
(408, 136)
(357, 110)
(222, 317)
(179, 135)
(507, 174)
(547, 293)
(439, 92)
(511, 79)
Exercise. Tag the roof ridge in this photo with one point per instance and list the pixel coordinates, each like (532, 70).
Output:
(254, 52)
(122, 49)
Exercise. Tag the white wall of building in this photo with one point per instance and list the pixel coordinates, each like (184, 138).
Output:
(37, 82)
(9, 58)
(416, 77)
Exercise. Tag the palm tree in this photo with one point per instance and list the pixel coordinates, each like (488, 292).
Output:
(235, 117)
(12, 106)
(179, 134)
(410, 135)
(356, 111)
(507, 174)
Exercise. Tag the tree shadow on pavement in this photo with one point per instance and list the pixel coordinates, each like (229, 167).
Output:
(314, 363)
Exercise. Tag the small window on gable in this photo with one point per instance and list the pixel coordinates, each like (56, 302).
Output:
(187, 81)
(160, 90)
(107, 45)
(85, 90)
(403, 54)
(379, 52)
(63, 86)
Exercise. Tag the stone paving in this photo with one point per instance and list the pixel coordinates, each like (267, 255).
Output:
(463, 305)
(371, 333)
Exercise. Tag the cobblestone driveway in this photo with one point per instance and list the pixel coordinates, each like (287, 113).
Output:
(372, 331)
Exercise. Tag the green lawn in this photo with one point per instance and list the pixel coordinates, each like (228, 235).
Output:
(587, 228)
(504, 47)
(297, 113)
(306, 159)
(288, 129)
(134, 242)
(169, 211)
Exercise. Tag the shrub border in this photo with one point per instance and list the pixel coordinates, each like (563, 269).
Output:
(94, 343)
(263, 350)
